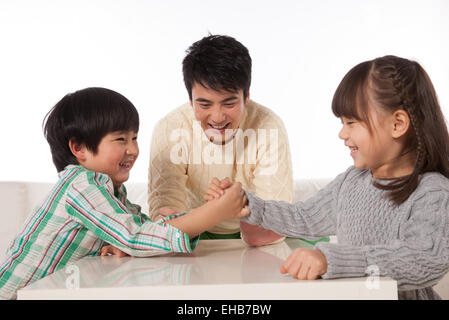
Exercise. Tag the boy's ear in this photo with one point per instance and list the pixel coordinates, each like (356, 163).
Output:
(401, 123)
(78, 149)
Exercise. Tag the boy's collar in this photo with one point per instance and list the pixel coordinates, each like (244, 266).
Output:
(69, 167)
(118, 191)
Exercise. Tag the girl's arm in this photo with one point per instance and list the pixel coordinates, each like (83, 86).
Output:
(417, 259)
(315, 217)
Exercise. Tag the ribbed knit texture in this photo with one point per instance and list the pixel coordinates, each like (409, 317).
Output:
(408, 243)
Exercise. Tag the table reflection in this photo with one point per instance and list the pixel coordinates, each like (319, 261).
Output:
(213, 262)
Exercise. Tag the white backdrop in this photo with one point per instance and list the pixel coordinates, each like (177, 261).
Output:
(300, 51)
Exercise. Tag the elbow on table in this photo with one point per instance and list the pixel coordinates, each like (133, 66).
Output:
(262, 241)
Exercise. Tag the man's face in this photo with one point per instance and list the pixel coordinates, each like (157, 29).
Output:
(220, 112)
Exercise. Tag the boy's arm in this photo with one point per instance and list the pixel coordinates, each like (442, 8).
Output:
(92, 203)
(231, 205)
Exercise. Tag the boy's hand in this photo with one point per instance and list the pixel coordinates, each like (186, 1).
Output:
(113, 251)
(233, 203)
(216, 188)
(305, 264)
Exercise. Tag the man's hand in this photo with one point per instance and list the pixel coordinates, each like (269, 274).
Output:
(106, 250)
(305, 264)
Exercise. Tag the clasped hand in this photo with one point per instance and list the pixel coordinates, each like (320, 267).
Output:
(303, 264)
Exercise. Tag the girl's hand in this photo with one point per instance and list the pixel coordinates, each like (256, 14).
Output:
(216, 188)
(106, 250)
(305, 264)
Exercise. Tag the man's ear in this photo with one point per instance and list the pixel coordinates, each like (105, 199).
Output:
(78, 149)
(401, 123)
(247, 98)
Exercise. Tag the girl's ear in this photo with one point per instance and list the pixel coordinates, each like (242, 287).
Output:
(78, 150)
(401, 123)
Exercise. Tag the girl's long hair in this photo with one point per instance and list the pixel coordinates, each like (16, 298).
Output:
(396, 83)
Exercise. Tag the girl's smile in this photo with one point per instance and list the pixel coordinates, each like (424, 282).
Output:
(379, 148)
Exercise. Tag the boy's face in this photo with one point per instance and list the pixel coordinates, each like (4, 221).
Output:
(220, 112)
(115, 156)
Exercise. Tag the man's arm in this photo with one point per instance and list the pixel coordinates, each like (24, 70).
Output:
(167, 173)
(273, 180)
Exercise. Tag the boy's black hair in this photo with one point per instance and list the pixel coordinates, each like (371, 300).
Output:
(217, 62)
(86, 116)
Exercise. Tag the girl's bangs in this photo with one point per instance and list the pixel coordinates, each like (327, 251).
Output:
(348, 100)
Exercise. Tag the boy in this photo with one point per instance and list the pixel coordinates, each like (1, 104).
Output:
(92, 135)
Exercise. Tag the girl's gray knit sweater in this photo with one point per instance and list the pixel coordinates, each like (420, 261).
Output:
(409, 242)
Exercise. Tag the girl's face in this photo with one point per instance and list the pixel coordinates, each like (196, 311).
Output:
(380, 149)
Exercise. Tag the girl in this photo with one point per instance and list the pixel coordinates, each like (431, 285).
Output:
(390, 210)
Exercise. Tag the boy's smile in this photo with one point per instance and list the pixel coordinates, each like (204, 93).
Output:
(115, 156)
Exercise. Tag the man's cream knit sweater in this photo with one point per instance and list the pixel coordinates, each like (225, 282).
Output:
(183, 161)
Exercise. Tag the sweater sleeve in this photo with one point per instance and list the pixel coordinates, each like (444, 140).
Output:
(417, 259)
(315, 217)
(91, 202)
(167, 177)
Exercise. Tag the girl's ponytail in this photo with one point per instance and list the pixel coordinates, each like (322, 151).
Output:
(429, 137)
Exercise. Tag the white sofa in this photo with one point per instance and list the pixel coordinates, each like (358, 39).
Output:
(19, 198)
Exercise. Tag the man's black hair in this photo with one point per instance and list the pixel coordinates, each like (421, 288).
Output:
(86, 116)
(217, 62)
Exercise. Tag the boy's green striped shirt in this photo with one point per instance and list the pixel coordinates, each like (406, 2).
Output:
(80, 215)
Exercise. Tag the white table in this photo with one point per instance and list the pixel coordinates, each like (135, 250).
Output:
(218, 269)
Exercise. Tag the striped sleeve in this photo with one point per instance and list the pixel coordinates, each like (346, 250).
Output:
(91, 202)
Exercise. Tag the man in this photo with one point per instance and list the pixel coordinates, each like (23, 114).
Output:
(220, 134)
